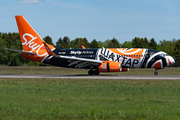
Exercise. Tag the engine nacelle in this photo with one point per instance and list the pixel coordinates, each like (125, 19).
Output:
(111, 66)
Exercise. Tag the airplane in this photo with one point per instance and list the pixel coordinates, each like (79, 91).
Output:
(96, 59)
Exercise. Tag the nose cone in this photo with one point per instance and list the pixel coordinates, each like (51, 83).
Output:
(174, 59)
(170, 60)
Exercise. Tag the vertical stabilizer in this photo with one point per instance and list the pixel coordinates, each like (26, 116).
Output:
(31, 41)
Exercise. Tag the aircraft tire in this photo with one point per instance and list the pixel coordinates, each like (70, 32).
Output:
(96, 72)
(91, 72)
(155, 73)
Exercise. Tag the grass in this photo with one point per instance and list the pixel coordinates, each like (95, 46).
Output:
(60, 70)
(89, 99)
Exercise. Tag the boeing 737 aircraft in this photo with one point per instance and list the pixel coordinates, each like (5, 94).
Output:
(96, 59)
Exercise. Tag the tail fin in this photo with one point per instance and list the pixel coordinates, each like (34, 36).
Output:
(31, 41)
(29, 38)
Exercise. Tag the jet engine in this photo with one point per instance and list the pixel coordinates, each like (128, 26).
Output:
(111, 66)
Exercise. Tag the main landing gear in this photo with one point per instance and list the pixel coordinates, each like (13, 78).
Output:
(93, 72)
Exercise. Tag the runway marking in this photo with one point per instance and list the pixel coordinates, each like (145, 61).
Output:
(105, 77)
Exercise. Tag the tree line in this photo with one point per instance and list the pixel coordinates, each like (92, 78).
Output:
(12, 40)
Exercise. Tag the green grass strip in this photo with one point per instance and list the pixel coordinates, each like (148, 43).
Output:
(89, 99)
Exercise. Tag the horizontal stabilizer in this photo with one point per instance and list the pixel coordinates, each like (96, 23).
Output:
(20, 51)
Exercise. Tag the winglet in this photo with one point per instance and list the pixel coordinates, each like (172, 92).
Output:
(83, 47)
(48, 49)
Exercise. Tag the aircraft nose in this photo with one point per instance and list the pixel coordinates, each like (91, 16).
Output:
(171, 60)
(174, 59)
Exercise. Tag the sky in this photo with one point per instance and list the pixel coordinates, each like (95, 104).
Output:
(95, 19)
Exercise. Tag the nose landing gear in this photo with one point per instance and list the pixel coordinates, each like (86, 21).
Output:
(155, 72)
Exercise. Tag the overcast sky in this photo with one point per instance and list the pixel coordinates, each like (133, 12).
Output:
(95, 19)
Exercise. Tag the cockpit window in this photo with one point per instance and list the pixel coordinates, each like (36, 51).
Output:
(163, 55)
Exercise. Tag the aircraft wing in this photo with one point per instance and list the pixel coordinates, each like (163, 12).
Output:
(74, 61)
(80, 62)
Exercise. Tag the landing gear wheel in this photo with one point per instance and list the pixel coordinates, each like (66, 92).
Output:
(155, 73)
(96, 72)
(91, 72)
